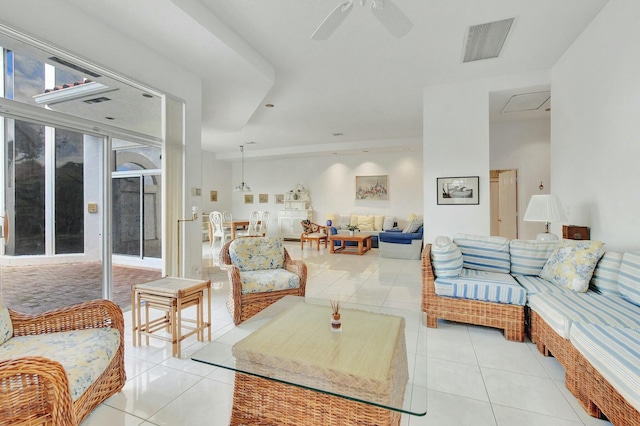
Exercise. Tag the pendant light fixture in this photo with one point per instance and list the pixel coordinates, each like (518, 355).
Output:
(242, 187)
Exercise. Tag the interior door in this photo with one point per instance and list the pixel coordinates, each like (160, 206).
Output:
(508, 204)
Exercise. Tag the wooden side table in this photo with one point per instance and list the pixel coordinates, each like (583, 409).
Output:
(171, 295)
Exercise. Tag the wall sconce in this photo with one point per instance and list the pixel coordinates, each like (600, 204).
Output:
(541, 187)
(194, 217)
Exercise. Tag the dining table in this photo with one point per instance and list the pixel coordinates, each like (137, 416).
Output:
(233, 225)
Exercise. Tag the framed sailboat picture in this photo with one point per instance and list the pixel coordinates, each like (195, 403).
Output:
(458, 190)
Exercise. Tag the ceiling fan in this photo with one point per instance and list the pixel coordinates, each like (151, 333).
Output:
(389, 15)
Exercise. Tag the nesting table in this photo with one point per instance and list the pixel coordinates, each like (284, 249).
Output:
(171, 295)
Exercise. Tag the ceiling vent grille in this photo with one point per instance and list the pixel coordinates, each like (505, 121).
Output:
(97, 100)
(486, 41)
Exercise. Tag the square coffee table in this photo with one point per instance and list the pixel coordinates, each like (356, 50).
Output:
(292, 369)
(363, 244)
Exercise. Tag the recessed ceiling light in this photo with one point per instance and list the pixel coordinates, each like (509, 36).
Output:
(110, 118)
(146, 95)
(365, 151)
(269, 105)
(334, 153)
(250, 143)
(338, 134)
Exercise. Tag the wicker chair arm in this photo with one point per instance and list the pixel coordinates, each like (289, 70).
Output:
(428, 279)
(98, 313)
(299, 268)
(34, 389)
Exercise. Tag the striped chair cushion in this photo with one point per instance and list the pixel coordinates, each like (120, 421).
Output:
(614, 353)
(561, 310)
(605, 276)
(482, 285)
(446, 258)
(484, 253)
(535, 285)
(529, 256)
(629, 277)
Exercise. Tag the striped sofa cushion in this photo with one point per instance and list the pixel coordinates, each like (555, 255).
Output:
(614, 353)
(484, 253)
(629, 277)
(529, 256)
(535, 285)
(605, 276)
(561, 310)
(482, 285)
(446, 258)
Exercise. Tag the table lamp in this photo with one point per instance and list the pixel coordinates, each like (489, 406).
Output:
(545, 208)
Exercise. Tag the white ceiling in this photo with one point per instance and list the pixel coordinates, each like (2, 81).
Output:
(361, 82)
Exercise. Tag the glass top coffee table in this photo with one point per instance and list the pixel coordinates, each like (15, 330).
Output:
(292, 369)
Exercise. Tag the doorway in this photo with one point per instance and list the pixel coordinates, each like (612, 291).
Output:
(504, 203)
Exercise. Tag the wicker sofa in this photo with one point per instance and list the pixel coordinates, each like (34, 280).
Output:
(594, 334)
(56, 367)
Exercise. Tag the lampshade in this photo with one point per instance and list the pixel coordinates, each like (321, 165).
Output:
(545, 208)
(330, 216)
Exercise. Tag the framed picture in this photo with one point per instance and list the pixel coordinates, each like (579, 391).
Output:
(372, 187)
(248, 198)
(458, 190)
(279, 198)
(213, 196)
(263, 198)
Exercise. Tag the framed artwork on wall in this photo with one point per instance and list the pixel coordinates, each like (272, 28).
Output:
(248, 198)
(213, 196)
(263, 198)
(372, 187)
(458, 190)
(279, 198)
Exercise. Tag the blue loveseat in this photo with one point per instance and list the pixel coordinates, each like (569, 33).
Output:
(400, 245)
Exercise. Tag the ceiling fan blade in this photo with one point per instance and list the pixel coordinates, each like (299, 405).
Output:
(332, 21)
(391, 17)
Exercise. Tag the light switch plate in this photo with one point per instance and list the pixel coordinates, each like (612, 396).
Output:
(92, 208)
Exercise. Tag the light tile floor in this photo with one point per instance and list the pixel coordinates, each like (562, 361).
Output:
(475, 376)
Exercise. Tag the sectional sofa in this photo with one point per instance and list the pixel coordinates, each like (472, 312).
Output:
(580, 304)
(375, 224)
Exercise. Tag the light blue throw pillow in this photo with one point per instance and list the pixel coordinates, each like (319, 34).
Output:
(446, 258)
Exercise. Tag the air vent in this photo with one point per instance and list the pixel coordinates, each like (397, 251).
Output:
(486, 41)
(97, 100)
(526, 102)
(74, 66)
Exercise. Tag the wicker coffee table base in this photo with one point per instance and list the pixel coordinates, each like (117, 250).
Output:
(258, 401)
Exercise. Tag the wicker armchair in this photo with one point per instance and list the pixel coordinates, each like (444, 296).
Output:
(509, 318)
(35, 390)
(244, 306)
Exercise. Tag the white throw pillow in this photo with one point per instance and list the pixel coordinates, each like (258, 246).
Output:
(344, 222)
(365, 223)
(412, 226)
(388, 223)
(378, 220)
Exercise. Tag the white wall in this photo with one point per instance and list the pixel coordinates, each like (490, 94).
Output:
(456, 143)
(331, 182)
(216, 176)
(523, 145)
(595, 128)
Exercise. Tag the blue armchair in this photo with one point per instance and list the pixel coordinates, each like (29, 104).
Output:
(401, 245)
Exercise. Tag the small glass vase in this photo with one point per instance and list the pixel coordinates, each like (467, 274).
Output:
(336, 323)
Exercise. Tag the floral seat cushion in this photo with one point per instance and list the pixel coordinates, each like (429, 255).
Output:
(268, 280)
(84, 354)
(257, 253)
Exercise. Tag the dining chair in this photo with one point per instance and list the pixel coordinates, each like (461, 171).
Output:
(227, 217)
(264, 222)
(252, 229)
(215, 217)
